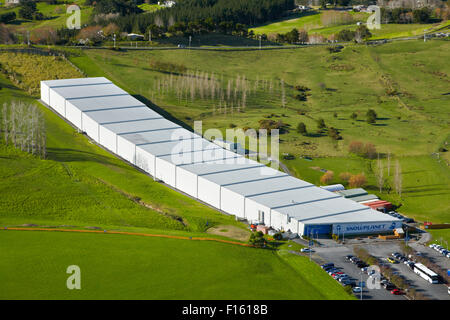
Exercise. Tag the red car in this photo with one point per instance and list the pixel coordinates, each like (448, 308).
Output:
(397, 292)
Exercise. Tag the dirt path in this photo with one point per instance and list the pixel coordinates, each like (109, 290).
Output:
(130, 233)
(230, 232)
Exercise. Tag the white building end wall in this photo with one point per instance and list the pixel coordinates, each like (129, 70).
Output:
(57, 103)
(257, 213)
(108, 139)
(91, 127)
(186, 181)
(232, 203)
(145, 161)
(126, 149)
(166, 172)
(45, 95)
(276, 220)
(73, 114)
(209, 192)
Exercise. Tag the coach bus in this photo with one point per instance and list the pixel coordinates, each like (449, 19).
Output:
(426, 273)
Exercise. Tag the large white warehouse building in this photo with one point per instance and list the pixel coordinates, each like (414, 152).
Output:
(186, 161)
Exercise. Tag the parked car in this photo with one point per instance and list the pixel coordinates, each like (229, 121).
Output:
(394, 254)
(330, 272)
(327, 265)
(348, 282)
(391, 260)
(343, 278)
(306, 250)
(357, 289)
(348, 257)
(388, 286)
(371, 272)
(397, 292)
(361, 264)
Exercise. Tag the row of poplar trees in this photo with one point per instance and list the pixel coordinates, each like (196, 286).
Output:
(23, 126)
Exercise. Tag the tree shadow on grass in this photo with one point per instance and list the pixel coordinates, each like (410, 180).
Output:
(162, 112)
(73, 155)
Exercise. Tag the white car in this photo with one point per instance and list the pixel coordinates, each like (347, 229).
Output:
(431, 246)
(357, 290)
(306, 250)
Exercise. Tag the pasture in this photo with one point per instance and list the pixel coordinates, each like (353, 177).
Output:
(133, 267)
(314, 24)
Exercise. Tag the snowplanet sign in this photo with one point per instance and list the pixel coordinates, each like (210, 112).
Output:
(363, 227)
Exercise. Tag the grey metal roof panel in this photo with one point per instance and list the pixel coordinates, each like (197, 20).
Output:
(122, 115)
(174, 134)
(177, 147)
(205, 157)
(263, 174)
(251, 189)
(365, 197)
(333, 210)
(99, 90)
(352, 192)
(75, 82)
(140, 126)
(294, 197)
(108, 102)
(363, 216)
(228, 165)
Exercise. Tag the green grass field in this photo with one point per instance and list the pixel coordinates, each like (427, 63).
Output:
(33, 266)
(312, 23)
(354, 80)
(440, 236)
(149, 7)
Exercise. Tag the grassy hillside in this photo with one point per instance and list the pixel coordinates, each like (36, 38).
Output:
(55, 14)
(312, 22)
(80, 183)
(132, 267)
(405, 83)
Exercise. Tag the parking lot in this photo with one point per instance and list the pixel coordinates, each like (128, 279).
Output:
(432, 291)
(337, 256)
(330, 251)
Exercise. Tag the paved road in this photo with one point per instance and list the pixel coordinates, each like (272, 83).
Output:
(269, 47)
